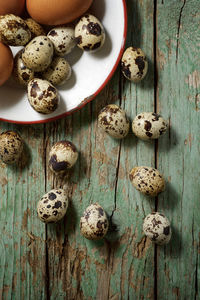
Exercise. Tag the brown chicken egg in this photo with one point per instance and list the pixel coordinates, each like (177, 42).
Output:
(6, 63)
(50, 12)
(15, 7)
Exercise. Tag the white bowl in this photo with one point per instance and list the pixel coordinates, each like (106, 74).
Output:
(91, 71)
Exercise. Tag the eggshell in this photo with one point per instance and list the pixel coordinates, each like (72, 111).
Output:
(94, 222)
(21, 74)
(148, 126)
(53, 206)
(11, 146)
(6, 63)
(15, 7)
(113, 120)
(63, 39)
(35, 28)
(58, 72)
(38, 54)
(43, 96)
(89, 33)
(63, 155)
(157, 228)
(147, 180)
(134, 64)
(14, 31)
(51, 12)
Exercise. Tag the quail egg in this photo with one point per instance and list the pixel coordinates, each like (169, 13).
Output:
(63, 155)
(53, 206)
(134, 64)
(157, 227)
(94, 222)
(21, 73)
(58, 72)
(11, 147)
(14, 31)
(63, 39)
(147, 180)
(35, 28)
(43, 96)
(38, 54)
(113, 120)
(149, 125)
(89, 33)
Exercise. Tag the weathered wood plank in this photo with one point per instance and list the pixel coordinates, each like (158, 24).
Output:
(22, 237)
(121, 266)
(178, 39)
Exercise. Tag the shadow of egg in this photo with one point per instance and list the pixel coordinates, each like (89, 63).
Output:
(61, 107)
(106, 48)
(74, 56)
(69, 83)
(98, 9)
(10, 94)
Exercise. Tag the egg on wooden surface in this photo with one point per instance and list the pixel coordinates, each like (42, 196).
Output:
(15, 7)
(50, 12)
(6, 63)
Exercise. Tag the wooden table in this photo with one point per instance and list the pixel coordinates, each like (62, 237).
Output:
(55, 261)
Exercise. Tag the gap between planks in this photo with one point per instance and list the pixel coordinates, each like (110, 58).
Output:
(156, 141)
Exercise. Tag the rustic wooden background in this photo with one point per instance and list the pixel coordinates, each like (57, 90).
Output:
(55, 261)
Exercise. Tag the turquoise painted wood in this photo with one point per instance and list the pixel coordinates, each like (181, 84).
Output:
(178, 154)
(55, 261)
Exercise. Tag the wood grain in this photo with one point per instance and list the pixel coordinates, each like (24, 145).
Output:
(55, 261)
(178, 89)
(22, 246)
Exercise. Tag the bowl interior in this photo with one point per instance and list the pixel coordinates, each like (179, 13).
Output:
(90, 71)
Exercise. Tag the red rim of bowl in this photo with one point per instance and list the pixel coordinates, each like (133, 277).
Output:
(87, 100)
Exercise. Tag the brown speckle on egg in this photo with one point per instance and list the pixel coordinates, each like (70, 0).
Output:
(151, 126)
(54, 210)
(21, 73)
(58, 72)
(63, 39)
(147, 180)
(11, 147)
(63, 155)
(157, 228)
(113, 120)
(89, 33)
(134, 65)
(38, 54)
(43, 96)
(14, 31)
(94, 223)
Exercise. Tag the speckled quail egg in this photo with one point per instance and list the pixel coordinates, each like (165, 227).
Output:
(11, 147)
(21, 73)
(94, 222)
(113, 120)
(89, 33)
(149, 125)
(35, 28)
(147, 180)
(157, 227)
(53, 206)
(63, 155)
(58, 72)
(63, 39)
(38, 54)
(134, 64)
(43, 96)
(14, 31)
